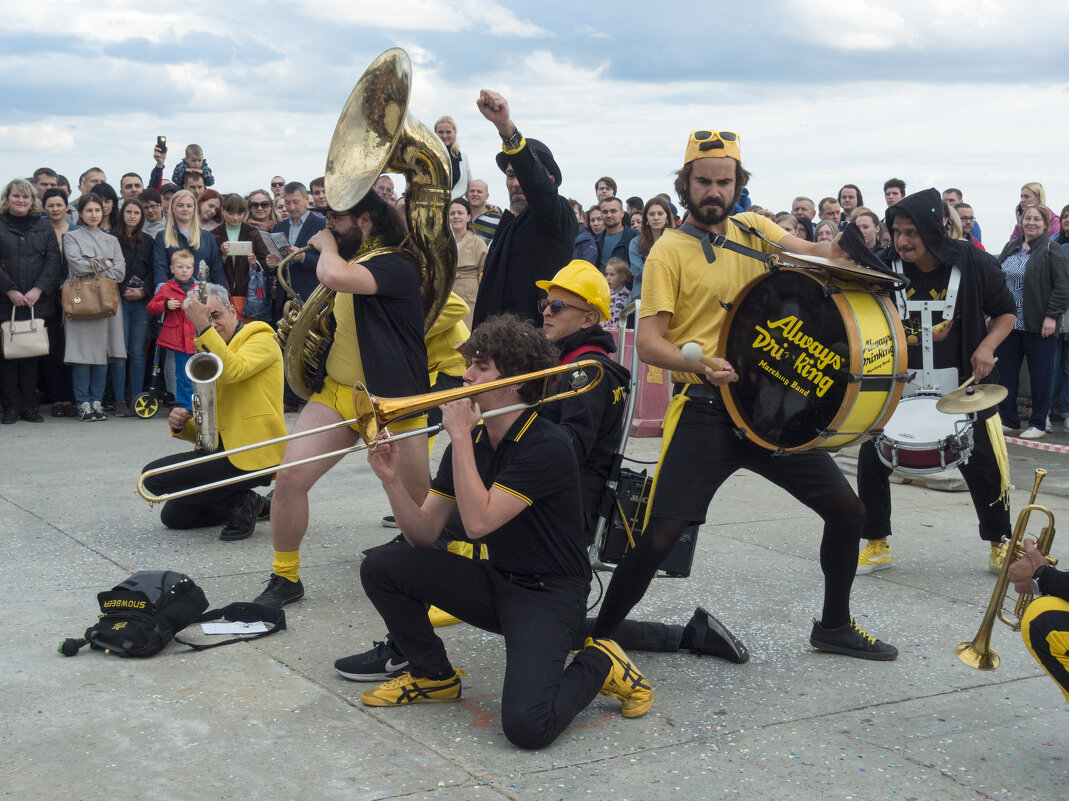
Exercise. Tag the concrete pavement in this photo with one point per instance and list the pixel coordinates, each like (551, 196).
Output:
(271, 719)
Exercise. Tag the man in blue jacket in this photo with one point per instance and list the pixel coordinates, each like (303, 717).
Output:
(613, 241)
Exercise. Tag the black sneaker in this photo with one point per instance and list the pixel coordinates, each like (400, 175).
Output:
(852, 640)
(398, 540)
(280, 591)
(389, 521)
(709, 636)
(242, 519)
(383, 662)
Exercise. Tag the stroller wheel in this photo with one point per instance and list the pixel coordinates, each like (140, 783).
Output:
(146, 405)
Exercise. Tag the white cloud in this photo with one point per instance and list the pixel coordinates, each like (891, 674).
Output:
(37, 139)
(427, 15)
(914, 25)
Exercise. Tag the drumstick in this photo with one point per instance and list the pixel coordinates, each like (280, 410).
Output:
(971, 378)
(692, 352)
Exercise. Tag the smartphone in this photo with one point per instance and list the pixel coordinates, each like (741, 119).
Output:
(161, 143)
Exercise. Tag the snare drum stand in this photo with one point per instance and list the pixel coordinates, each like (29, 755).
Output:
(945, 379)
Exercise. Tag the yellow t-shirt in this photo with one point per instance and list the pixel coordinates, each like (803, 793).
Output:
(343, 361)
(447, 332)
(678, 279)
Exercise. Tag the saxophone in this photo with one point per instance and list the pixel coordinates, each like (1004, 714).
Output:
(203, 370)
(375, 134)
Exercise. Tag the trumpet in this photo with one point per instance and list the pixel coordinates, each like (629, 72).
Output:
(977, 653)
(374, 415)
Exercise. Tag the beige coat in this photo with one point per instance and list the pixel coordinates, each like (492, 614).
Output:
(94, 341)
(471, 255)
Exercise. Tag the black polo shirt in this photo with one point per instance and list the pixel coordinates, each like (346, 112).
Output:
(389, 328)
(536, 463)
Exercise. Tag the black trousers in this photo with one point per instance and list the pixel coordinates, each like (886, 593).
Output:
(701, 454)
(18, 384)
(205, 508)
(538, 616)
(981, 475)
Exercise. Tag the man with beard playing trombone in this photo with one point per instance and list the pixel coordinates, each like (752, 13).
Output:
(378, 341)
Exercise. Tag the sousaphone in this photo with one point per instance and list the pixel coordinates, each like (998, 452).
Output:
(376, 134)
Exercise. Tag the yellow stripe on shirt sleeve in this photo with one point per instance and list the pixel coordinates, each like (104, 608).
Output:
(445, 495)
(512, 492)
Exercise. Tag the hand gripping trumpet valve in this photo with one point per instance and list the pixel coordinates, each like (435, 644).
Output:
(977, 653)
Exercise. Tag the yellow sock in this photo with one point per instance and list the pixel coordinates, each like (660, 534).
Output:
(286, 564)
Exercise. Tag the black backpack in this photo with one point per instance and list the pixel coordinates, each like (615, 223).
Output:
(145, 612)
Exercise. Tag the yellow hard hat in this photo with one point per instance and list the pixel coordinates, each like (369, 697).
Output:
(585, 280)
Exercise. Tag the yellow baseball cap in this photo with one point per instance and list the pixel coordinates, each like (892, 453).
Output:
(711, 145)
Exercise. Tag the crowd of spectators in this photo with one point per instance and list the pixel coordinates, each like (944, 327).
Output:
(132, 235)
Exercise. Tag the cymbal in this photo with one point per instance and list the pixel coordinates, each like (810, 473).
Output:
(972, 399)
(840, 268)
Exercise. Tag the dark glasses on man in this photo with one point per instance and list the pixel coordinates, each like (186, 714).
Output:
(713, 139)
(277, 183)
(555, 306)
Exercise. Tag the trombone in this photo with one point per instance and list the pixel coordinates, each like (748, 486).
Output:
(977, 653)
(373, 415)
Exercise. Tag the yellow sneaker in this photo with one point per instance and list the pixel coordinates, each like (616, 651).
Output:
(996, 557)
(407, 689)
(440, 618)
(876, 555)
(624, 680)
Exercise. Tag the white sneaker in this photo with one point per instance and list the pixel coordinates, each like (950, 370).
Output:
(1049, 429)
(1065, 425)
(85, 411)
(1032, 433)
(98, 411)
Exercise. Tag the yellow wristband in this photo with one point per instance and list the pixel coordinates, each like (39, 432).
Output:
(522, 145)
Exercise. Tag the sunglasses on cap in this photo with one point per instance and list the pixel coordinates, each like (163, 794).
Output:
(555, 306)
(710, 140)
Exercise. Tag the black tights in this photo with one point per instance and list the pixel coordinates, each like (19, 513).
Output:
(843, 516)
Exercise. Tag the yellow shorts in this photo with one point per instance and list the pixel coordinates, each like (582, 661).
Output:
(340, 398)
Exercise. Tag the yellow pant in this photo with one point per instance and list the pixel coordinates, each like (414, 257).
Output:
(340, 398)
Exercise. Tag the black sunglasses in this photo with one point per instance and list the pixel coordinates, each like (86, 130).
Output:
(279, 183)
(555, 306)
(259, 204)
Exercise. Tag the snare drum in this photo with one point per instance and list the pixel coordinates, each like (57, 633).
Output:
(821, 361)
(919, 439)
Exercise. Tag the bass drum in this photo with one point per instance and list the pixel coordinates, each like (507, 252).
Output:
(821, 361)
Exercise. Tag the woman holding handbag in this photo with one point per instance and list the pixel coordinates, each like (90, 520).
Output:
(29, 274)
(137, 252)
(91, 343)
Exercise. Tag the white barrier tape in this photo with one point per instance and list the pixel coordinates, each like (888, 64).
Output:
(1039, 446)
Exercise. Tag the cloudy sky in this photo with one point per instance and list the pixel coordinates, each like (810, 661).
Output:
(937, 92)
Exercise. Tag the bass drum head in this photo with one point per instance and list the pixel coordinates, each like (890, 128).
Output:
(787, 340)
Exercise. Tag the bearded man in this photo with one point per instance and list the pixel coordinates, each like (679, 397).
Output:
(681, 294)
(364, 257)
(536, 236)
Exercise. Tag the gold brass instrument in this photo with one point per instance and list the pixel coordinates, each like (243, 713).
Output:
(978, 653)
(376, 134)
(373, 415)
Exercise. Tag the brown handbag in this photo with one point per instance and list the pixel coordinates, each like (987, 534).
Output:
(90, 298)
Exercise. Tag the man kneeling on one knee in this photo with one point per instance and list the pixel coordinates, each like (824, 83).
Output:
(248, 400)
(514, 480)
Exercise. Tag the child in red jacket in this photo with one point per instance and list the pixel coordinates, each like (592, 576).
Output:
(177, 333)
